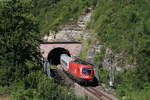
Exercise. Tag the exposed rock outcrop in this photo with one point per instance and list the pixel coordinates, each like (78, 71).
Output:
(71, 32)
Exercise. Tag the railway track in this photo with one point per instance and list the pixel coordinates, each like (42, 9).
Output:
(62, 77)
(99, 95)
(94, 93)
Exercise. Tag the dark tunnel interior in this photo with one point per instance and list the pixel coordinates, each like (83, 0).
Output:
(54, 55)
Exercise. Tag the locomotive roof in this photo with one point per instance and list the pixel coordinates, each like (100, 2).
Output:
(66, 58)
(79, 61)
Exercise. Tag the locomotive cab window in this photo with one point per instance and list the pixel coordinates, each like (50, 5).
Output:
(86, 71)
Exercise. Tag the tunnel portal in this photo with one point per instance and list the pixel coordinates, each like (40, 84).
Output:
(54, 55)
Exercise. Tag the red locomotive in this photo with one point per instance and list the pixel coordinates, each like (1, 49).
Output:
(79, 70)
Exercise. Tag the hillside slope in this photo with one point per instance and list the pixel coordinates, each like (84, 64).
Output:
(123, 28)
(51, 14)
(117, 36)
(119, 40)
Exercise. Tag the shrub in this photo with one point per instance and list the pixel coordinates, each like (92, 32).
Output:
(37, 86)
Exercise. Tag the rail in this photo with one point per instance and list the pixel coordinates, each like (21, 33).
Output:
(96, 93)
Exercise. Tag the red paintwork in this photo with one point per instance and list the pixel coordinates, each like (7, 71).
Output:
(76, 70)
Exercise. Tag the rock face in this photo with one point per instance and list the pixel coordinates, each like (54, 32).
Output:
(111, 61)
(71, 32)
(116, 61)
(92, 52)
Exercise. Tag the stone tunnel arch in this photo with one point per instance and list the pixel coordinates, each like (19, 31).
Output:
(54, 55)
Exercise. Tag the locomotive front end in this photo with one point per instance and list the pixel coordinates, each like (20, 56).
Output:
(87, 72)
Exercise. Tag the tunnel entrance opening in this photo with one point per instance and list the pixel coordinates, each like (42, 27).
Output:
(54, 55)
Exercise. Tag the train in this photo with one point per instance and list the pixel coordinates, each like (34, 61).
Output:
(78, 69)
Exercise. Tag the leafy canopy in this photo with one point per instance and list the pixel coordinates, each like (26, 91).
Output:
(18, 35)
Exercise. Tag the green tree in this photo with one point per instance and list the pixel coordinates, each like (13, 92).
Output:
(37, 86)
(18, 39)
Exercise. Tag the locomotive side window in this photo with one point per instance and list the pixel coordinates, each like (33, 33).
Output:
(86, 71)
(79, 61)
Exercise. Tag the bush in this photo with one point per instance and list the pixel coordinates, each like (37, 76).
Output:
(18, 40)
(37, 86)
(126, 93)
(103, 75)
(131, 86)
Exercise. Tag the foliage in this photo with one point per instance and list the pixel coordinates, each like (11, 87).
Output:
(87, 45)
(37, 86)
(84, 52)
(129, 87)
(131, 94)
(143, 70)
(18, 46)
(99, 57)
(53, 13)
(124, 25)
(18, 35)
(103, 75)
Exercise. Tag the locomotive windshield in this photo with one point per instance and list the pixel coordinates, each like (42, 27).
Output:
(86, 71)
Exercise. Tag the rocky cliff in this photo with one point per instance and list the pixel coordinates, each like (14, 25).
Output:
(71, 32)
